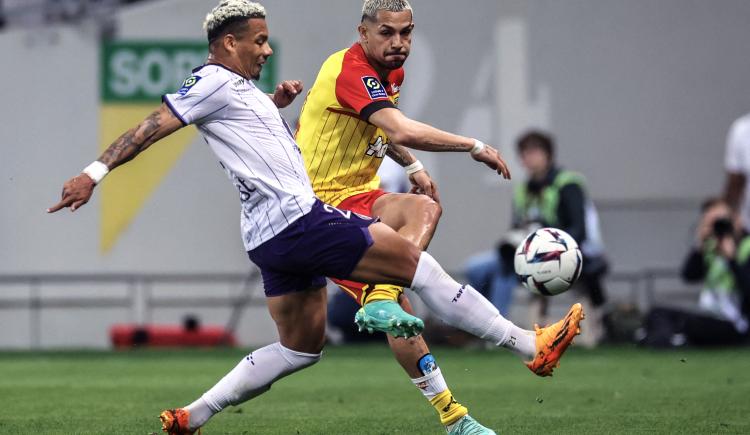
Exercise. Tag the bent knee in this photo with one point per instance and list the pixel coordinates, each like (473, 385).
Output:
(430, 208)
(307, 339)
(435, 210)
(316, 344)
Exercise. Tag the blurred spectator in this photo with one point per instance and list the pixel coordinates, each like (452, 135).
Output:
(554, 197)
(721, 260)
(737, 165)
(551, 197)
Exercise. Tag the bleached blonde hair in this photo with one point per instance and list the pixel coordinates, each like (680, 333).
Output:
(228, 11)
(371, 7)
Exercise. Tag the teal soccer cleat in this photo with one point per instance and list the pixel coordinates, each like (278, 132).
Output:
(468, 426)
(388, 317)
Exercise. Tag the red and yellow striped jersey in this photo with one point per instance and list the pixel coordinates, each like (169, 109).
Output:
(342, 151)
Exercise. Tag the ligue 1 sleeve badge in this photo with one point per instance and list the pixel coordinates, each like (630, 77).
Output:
(374, 88)
(187, 84)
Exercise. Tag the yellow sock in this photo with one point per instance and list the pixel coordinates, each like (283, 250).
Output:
(448, 408)
(384, 292)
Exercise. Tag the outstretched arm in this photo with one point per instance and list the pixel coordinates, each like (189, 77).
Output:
(417, 135)
(161, 123)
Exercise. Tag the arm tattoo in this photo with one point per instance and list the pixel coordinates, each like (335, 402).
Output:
(439, 147)
(400, 154)
(452, 147)
(132, 142)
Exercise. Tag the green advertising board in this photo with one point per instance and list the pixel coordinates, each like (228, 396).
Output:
(143, 71)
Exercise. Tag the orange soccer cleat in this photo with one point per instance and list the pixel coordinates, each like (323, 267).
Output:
(175, 422)
(551, 341)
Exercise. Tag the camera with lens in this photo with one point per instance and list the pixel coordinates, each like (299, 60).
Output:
(723, 227)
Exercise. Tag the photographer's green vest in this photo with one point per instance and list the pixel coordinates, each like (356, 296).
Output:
(719, 276)
(543, 207)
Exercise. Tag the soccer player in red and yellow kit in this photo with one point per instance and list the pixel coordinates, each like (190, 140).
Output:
(348, 124)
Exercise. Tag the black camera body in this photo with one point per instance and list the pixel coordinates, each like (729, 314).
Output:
(723, 227)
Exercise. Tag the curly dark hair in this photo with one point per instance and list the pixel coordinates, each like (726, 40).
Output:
(536, 139)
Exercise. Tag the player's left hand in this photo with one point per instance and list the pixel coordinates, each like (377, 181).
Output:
(286, 92)
(76, 192)
(491, 157)
(422, 184)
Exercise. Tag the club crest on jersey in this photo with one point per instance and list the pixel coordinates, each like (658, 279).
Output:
(188, 83)
(374, 88)
(377, 148)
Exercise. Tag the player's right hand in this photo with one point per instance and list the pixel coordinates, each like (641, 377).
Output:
(422, 184)
(76, 192)
(491, 157)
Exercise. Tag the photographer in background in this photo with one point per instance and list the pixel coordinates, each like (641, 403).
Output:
(720, 259)
(550, 197)
(556, 197)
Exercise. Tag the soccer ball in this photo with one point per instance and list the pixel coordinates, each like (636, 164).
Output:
(548, 261)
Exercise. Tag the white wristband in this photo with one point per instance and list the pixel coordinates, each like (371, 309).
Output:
(97, 171)
(478, 147)
(414, 167)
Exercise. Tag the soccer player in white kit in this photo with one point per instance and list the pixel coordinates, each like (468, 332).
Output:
(294, 238)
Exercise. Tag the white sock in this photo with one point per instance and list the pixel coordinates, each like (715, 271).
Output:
(252, 377)
(465, 308)
(431, 385)
(200, 412)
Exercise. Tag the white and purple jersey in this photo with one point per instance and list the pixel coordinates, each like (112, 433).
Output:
(253, 143)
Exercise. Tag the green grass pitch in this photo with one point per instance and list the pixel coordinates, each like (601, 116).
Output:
(361, 390)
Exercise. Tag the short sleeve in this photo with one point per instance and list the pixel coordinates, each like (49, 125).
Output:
(200, 99)
(359, 89)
